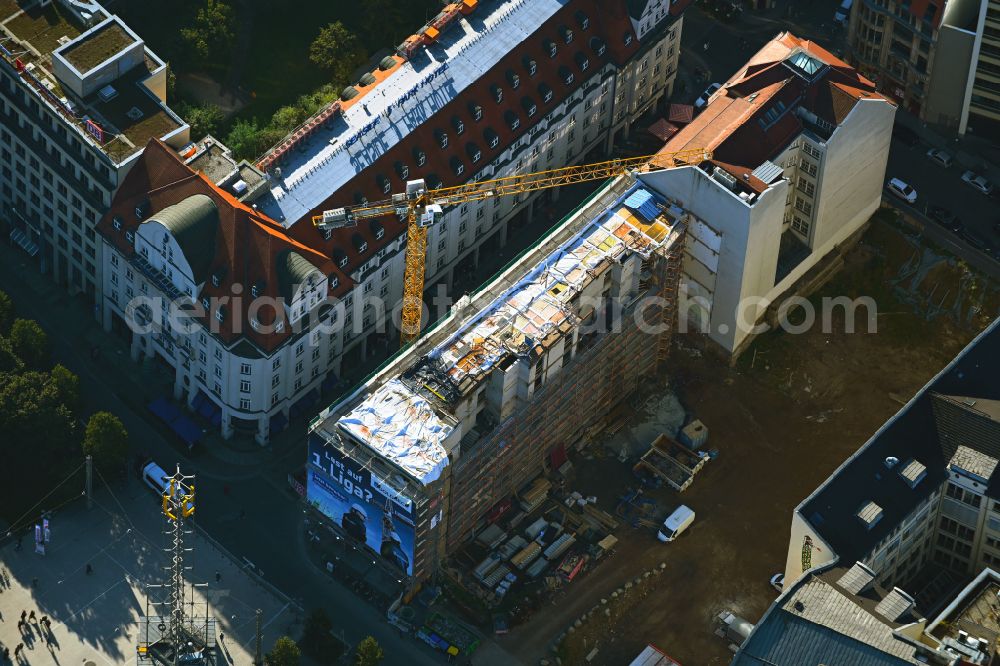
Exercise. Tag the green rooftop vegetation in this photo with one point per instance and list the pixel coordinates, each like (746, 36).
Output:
(97, 47)
(42, 28)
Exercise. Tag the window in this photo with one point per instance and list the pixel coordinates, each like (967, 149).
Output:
(546, 92)
(800, 225)
(383, 184)
(457, 166)
(806, 187)
(299, 348)
(497, 92)
(274, 399)
(566, 34)
(476, 111)
(218, 371)
(442, 138)
(402, 170)
(244, 386)
(275, 380)
(531, 66)
(419, 156)
(474, 153)
(550, 48)
(276, 363)
(566, 75)
(298, 384)
(244, 404)
(315, 354)
(217, 389)
(457, 123)
(513, 79)
(803, 205)
(298, 367)
(491, 137)
(218, 354)
(627, 39)
(512, 120)
(244, 368)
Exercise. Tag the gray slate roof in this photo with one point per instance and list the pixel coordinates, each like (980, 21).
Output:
(818, 624)
(194, 222)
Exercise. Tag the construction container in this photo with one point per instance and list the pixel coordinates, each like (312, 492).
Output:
(492, 536)
(559, 546)
(486, 567)
(512, 547)
(527, 555)
(536, 569)
(536, 528)
(494, 577)
(694, 435)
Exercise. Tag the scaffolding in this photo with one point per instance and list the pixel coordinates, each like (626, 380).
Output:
(574, 406)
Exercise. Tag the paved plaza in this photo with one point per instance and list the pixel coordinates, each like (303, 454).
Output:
(94, 617)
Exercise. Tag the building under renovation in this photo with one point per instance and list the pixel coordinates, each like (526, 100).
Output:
(414, 460)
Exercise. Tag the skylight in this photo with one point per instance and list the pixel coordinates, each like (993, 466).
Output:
(805, 65)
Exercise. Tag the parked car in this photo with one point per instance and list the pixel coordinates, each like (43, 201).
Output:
(709, 91)
(778, 581)
(905, 135)
(902, 190)
(940, 157)
(843, 12)
(978, 182)
(977, 241)
(945, 218)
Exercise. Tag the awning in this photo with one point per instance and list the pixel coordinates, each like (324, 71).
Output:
(330, 382)
(278, 422)
(187, 430)
(164, 409)
(681, 113)
(22, 239)
(663, 129)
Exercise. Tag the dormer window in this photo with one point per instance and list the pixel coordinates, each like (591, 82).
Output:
(402, 170)
(205, 303)
(215, 279)
(546, 92)
(360, 244)
(628, 38)
(383, 183)
(550, 48)
(334, 281)
(529, 106)
(457, 166)
(512, 120)
(491, 137)
(475, 111)
(220, 313)
(257, 289)
(566, 75)
(582, 62)
(141, 210)
(474, 153)
(530, 65)
(327, 233)
(582, 20)
(116, 222)
(566, 34)
(130, 237)
(513, 79)
(360, 199)
(442, 138)
(497, 92)
(378, 231)
(457, 123)
(340, 257)
(434, 182)
(599, 46)
(420, 157)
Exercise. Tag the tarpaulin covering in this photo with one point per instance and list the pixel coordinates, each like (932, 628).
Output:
(164, 409)
(681, 113)
(663, 129)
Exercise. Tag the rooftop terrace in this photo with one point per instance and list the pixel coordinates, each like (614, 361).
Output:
(121, 124)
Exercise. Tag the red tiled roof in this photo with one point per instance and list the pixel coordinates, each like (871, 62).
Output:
(246, 244)
(735, 126)
(609, 22)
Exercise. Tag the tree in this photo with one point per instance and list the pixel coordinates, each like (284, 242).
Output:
(384, 17)
(106, 440)
(368, 653)
(212, 32)
(29, 343)
(244, 138)
(6, 313)
(338, 50)
(284, 653)
(204, 118)
(67, 387)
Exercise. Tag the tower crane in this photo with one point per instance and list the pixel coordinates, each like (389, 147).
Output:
(421, 208)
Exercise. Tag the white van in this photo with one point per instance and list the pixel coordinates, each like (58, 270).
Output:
(843, 12)
(675, 524)
(154, 477)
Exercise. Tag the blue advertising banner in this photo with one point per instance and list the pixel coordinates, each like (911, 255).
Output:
(362, 504)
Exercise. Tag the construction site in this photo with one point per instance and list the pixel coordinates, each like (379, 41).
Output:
(429, 442)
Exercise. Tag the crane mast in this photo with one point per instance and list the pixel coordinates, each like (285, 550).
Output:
(421, 208)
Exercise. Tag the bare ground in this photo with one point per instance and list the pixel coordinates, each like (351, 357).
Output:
(783, 419)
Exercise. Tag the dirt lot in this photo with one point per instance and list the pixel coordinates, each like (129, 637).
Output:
(783, 419)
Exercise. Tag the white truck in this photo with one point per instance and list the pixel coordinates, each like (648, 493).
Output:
(675, 524)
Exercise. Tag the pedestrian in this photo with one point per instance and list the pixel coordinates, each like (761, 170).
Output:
(31, 616)
(24, 614)
(222, 637)
(18, 649)
(44, 620)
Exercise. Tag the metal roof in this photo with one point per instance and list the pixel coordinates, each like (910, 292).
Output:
(894, 605)
(193, 221)
(973, 462)
(413, 93)
(857, 578)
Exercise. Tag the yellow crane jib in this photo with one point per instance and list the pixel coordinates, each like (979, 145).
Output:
(421, 208)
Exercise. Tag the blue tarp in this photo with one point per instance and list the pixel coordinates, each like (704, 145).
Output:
(642, 201)
(164, 409)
